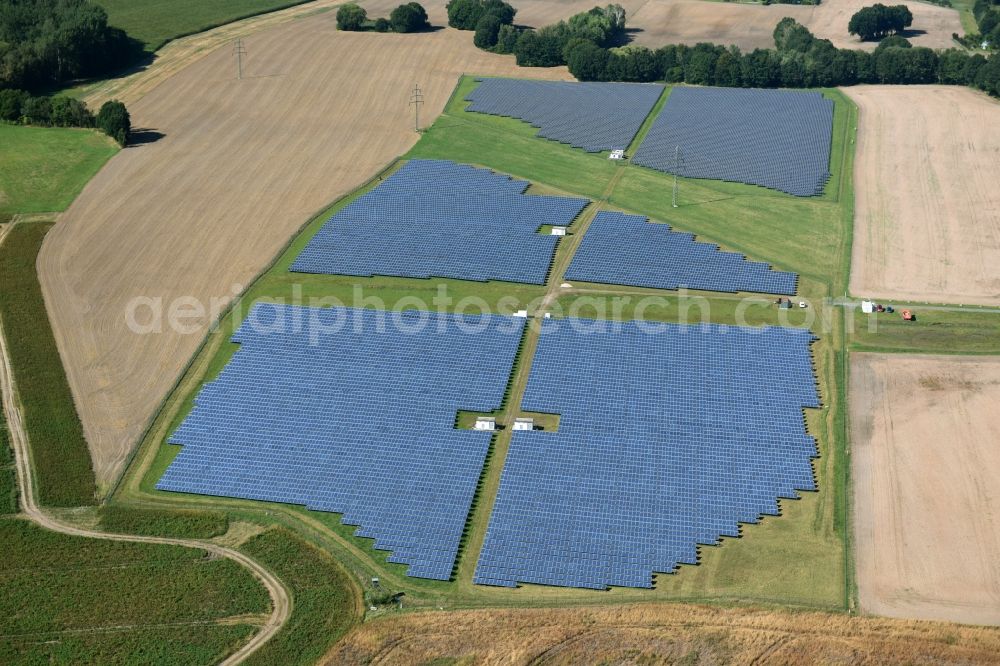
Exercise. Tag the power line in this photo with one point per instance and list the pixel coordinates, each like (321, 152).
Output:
(239, 51)
(416, 99)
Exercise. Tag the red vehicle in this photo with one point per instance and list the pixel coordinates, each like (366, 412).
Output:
(907, 315)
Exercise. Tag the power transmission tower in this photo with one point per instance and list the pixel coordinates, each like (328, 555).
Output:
(677, 166)
(416, 99)
(239, 50)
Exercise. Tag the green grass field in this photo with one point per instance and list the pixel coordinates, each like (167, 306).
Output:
(326, 600)
(156, 22)
(71, 600)
(951, 331)
(61, 459)
(162, 522)
(42, 169)
(799, 559)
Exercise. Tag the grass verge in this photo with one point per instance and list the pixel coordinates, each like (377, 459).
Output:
(8, 475)
(325, 605)
(184, 524)
(61, 461)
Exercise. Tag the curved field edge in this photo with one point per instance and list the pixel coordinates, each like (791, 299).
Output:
(812, 530)
(156, 23)
(42, 169)
(68, 599)
(223, 578)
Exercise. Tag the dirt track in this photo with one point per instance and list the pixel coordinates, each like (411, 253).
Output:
(926, 474)
(240, 167)
(927, 209)
(658, 634)
(281, 600)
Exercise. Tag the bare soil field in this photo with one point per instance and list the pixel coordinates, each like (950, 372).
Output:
(927, 210)
(229, 171)
(655, 23)
(658, 634)
(926, 473)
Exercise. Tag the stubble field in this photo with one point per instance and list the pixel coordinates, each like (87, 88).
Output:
(655, 23)
(927, 224)
(199, 211)
(926, 473)
(658, 634)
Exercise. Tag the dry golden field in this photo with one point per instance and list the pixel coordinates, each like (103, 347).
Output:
(926, 474)
(927, 213)
(199, 212)
(659, 634)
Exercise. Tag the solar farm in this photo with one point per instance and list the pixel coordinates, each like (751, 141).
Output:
(396, 343)
(360, 422)
(643, 447)
(592, 116)
(438, 218)
(629, 250)
(774, 138)
(647, 464)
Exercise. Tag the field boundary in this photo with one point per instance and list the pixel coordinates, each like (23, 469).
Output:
(281, 600)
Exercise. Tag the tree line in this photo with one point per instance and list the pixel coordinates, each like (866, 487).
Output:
(409, 17)
(18, 106)
(586, 43)
(45, 43)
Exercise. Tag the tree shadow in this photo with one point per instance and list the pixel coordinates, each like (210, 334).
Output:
(143, 135)
(628, 36)
(908, 33)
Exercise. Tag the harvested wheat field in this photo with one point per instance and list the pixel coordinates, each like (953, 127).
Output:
(240, 167)
(751, 26)
(927, 210)
(926, 477)
(658, 634)
(655, 23)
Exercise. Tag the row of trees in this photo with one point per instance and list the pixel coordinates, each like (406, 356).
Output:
(799, 60)
(409, 17)
(875, 22)
(45, 43)
(18, 106)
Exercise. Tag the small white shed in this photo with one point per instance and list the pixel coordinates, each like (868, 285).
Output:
(485, 423)
(524, 424)
(558, 231)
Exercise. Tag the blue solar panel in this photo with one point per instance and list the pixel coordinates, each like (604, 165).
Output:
(353, 411)
(592, 116)
(669, 437)
(439, 218)
(629, 250)
(775, 138)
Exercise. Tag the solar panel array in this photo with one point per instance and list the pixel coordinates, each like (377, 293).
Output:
(775, 138)
(629, 250)
(592, 116)
(334, 410)
(666, 440)
(439, 218)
